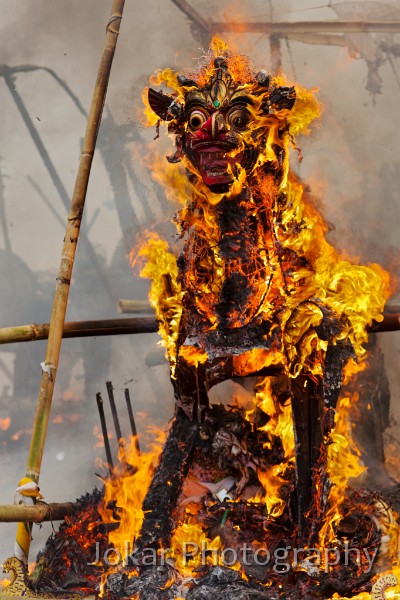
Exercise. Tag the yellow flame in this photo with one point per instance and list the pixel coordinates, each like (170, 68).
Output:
(165, 293)
(280, 424)
(189, 537)
(357, 292)
(343, 464)
(126, 490)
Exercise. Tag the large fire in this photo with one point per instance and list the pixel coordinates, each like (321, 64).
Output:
(124, 494)
(258, 286)
(256, 291)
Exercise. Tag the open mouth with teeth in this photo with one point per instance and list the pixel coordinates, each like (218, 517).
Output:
(216, 165)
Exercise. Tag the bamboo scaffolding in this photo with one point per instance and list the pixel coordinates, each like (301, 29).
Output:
(56, 328)
(191, 13)
(35, 513)
(32, 68)
(206, 28)
(320, 39)
(47, 202)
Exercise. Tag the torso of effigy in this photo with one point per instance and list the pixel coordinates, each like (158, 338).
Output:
(232, 274)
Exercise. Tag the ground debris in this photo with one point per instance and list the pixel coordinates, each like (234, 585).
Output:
(65, 561)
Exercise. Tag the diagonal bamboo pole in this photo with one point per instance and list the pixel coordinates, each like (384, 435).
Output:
(200, 26)
(55, 178)
(49, 368)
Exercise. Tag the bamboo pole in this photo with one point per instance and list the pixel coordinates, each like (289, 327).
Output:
(287, 28)
(200, 26)
(34, 332)
(134, 306)
(35, 513)
(319, 39)
(391, 322)
(76, 329)
(49, 368)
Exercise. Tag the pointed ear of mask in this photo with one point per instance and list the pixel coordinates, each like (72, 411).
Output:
(283, 97)
(165, 107)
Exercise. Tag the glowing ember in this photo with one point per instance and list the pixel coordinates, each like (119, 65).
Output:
(5, 423)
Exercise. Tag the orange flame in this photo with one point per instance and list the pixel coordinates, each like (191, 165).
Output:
(126, 491)
(280, 425)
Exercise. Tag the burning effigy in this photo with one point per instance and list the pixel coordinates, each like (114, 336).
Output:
(252, 498)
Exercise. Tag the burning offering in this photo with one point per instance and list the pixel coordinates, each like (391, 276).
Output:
(263, 496)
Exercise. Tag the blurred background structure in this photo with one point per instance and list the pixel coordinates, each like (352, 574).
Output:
(50, 55)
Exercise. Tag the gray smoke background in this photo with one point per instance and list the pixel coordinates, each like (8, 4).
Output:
(351, 160)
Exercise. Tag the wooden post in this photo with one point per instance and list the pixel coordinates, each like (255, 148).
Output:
(50, 364)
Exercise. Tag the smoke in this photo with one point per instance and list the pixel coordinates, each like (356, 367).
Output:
(352, 157)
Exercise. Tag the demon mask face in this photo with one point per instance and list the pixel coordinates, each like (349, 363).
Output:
(221, 121)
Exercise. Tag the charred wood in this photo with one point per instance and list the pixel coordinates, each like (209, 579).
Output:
(160, 502)
(110, 392)
(132, 420)
(100, 406)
